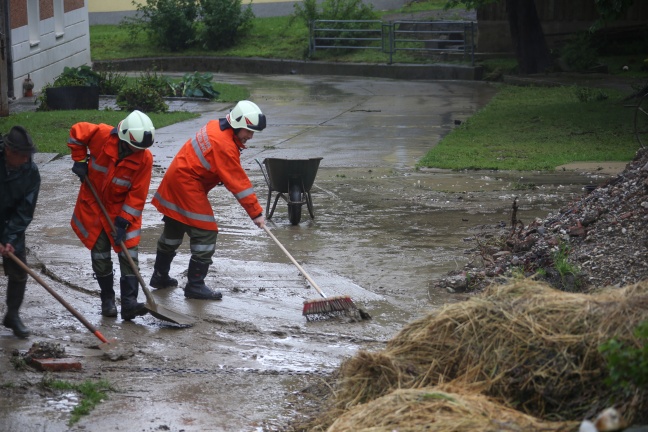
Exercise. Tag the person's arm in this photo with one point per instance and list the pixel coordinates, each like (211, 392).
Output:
(23, 214)
(235, 179)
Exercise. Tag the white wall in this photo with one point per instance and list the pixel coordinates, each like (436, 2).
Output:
(45, 58)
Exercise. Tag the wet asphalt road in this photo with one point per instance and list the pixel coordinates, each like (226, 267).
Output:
(382, 232)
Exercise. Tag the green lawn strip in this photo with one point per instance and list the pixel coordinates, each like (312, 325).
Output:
(279, 37)
(536, 128)
(92, 393)
(50, 129)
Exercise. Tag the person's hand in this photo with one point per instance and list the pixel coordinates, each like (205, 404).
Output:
(120, 229)
(80, 169)
(4, 250)
(259, 221)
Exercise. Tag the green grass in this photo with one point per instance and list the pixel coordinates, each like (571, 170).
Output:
(50, 129)
(534, 128)
(271, 37)
(92, 393)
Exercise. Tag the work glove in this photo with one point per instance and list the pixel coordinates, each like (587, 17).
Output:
(120, 229)
(80, 169)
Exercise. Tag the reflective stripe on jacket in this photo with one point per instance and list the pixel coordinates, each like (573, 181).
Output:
(210, 158)
(122, 185)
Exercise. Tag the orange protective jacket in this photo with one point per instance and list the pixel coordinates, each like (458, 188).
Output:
(203, 162)
(122, 185)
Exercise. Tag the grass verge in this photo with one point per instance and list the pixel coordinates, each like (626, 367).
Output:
(50, 129)
(537, 128)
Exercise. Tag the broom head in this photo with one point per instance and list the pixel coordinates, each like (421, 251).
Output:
(328, 307)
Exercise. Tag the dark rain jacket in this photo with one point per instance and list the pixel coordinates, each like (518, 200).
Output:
(18, 196)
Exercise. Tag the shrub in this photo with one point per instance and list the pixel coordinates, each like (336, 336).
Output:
(160, 84)
(141, 97)
(195, 85)
(223, 21)
(77, 76)
(170, 24)
(579, 54)
(628, 366)
(111, 82)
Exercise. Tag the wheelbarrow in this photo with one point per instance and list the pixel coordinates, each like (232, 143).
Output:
(292, 180)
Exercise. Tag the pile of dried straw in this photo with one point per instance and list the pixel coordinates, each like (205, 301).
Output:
(525, 345)
(441, 410)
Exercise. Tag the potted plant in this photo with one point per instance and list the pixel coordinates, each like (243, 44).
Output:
(75, 88)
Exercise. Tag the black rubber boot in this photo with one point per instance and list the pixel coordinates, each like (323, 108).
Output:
(196, 288)
(108, 308)
(160, 278)
(130, 308)
(15, 295)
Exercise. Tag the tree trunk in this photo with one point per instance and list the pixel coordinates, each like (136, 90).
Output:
(528, 38)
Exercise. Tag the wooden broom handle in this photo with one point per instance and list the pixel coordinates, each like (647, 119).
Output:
(312, 282)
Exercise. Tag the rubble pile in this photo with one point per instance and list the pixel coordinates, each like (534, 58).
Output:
(601, 238)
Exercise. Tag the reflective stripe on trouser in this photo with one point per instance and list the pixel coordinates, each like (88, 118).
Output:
(102, 264)
(202, 243)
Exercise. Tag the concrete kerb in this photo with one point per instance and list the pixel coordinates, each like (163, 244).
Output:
(294, 67)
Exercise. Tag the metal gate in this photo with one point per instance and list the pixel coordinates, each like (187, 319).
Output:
(436, 40)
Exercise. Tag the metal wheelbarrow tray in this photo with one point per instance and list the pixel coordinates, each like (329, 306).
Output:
(292, 179)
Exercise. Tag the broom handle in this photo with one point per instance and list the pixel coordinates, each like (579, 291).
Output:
(149, 297)
(69, 307)
(312, 282)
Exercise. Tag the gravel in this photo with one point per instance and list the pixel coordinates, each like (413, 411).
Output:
(597, 241)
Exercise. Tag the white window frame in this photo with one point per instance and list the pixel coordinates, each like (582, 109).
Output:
(59, 18)
(33, 22)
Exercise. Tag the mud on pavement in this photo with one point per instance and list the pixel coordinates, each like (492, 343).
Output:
(383, 231)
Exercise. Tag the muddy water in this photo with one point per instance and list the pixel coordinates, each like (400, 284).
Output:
(382, 232)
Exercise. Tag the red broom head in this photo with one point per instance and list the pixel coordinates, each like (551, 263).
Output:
(325, 307)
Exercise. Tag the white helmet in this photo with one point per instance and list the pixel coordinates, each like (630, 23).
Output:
(137, 130)
(247, 115)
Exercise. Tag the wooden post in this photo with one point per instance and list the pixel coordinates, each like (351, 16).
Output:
(4, 85)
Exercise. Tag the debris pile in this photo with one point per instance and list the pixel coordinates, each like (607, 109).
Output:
(38, 350)
(602, 236)
(523, 351)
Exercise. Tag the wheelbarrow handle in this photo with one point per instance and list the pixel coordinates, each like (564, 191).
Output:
(265, 176)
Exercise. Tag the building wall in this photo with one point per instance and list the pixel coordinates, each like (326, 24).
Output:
(46, 36)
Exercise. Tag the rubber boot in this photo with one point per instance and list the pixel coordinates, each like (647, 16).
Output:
(196, 288)
(130, 308)
(108, 308)
(15, 295)
(160, 278)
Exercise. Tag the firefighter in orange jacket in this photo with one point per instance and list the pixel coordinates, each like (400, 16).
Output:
(211, 158)
(118, 164)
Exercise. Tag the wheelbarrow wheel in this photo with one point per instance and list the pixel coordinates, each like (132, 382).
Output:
(295, 204)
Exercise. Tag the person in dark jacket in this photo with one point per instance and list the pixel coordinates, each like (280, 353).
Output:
(19, 187)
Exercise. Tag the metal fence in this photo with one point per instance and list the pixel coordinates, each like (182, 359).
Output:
(436, 40)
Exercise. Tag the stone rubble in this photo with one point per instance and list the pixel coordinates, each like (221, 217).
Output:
(603, 237)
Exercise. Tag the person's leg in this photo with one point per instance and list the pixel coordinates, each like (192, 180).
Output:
(203, 246)
(168, 243)
(129, 286)
(102, 266)
(15, 294)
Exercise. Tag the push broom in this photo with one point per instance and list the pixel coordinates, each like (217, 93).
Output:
(326, 306)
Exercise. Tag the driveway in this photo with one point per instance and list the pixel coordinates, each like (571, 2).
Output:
(382, 232)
